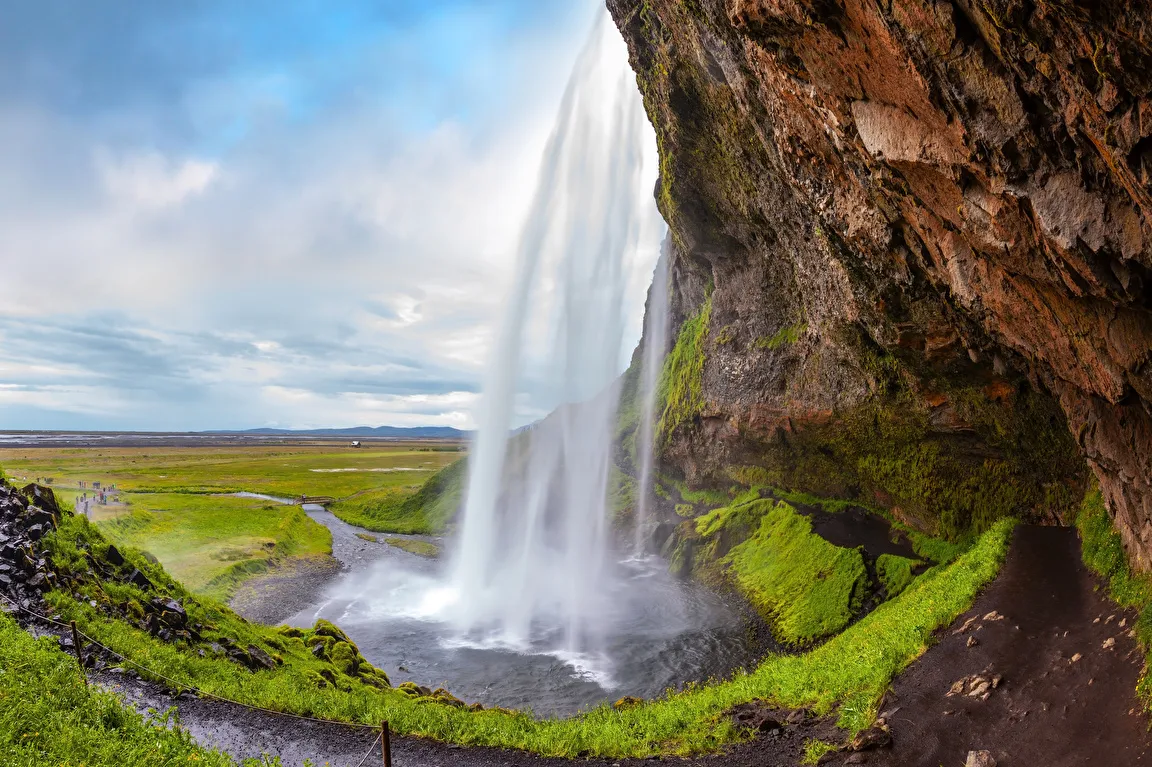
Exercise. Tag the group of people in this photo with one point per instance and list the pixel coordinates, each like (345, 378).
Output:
(100, 496)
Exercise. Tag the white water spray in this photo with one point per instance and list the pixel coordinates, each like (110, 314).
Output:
(655, 343)
(530, 565)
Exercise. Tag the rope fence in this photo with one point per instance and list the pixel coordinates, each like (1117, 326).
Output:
(383, 738)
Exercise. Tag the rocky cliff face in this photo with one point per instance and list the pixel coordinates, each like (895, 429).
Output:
(911, 248)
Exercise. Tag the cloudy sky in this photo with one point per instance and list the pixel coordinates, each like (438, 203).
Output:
(223, 214)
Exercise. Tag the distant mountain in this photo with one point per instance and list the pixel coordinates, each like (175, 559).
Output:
(379, 432)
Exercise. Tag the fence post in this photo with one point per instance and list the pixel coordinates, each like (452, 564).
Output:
(386, 743)
(78, 649)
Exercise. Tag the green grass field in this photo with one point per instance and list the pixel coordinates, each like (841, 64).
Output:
(317, 470)
(212, 543)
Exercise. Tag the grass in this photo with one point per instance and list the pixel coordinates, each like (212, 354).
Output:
(427, 511)
(850, 671)
(807, 586)
(211, 543)
(681, 382)
(814, 749)
(291, 470)
(367, 537)
(49, 716)
(895, 572)
(417, 547)
(1103, 553)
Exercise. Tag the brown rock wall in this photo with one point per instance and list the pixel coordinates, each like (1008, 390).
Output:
(960, 188)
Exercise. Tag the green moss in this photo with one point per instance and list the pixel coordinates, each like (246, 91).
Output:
(681, 381)
(807, 586)
(895, 572)
(887, 453)
(427, 511)
(1103, 552)
(787, 335)
(367, 537)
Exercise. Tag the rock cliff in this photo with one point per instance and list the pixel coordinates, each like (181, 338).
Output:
(911, 253)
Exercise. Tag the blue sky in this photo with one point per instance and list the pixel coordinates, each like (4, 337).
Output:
(296, 213)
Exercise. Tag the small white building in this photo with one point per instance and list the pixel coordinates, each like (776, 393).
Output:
(355, 443)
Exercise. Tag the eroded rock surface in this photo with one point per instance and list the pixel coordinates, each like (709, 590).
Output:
(916, 206)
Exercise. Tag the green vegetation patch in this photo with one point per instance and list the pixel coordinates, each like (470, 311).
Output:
(787, 335)
(214, 543)
(681, 381)
(895, 572)
(427, 511)
(807, 586)
(1103, 552)
(888, 454)
(415, 546)
(49, 716)
(850, 671)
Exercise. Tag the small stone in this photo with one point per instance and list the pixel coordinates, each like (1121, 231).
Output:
(979, 690)
(1123, 622)
(857, 759)
(1076, 657)
(972, 642)
(966, 627)
(1109, 643)
(957, 687)
(996, 681)
(1096, 621)
(1109, 619)
(980, 759)
(993, 616)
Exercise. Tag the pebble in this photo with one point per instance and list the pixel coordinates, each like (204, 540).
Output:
(1109, 643)
(980, 759)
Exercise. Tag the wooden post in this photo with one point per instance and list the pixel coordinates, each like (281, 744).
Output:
(386, 743)
(78, 649)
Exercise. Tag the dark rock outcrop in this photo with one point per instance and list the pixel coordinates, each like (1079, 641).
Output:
(918, 232)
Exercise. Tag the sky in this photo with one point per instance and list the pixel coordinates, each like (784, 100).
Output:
(225, 215)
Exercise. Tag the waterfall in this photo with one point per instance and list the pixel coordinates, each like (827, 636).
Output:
(531, 557)
(655, 344)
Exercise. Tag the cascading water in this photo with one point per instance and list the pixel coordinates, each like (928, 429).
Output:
(533, 577)
(532, 544)
(655, 343)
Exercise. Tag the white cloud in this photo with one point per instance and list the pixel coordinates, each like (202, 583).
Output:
(149, 179)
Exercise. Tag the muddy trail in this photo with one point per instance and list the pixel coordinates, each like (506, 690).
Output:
(1041, 671)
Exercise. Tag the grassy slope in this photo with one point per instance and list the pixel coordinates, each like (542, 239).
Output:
(427, 511)
(851, 669)
(49, 717)
(212, 543)
(895, 572)
(281, 471)
(1103, 552)
(809, 587)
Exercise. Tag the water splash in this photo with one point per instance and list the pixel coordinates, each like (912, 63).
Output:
(531, 555)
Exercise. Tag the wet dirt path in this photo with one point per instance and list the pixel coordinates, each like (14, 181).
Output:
(1068, 668)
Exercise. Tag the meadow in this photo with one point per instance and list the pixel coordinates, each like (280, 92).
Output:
(173, 502)
(331, 469)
